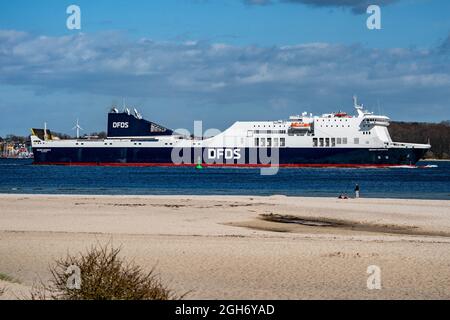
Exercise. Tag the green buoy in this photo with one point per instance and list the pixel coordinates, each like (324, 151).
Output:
(199, 164)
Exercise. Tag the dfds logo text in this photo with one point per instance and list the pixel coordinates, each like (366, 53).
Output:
(120, 125)
(228, 154)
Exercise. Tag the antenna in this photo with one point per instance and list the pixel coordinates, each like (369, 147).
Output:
(45, 131)
(78, 128)
(359, 108)
(355, 100)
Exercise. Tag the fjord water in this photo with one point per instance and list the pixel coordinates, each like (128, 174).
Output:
(21, 177)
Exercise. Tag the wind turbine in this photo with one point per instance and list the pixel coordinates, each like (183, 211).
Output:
(78, 128)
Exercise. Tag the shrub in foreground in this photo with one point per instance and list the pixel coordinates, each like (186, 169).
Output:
(104, 275)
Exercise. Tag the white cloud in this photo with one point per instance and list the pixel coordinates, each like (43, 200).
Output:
(357, 6)
(217, 73)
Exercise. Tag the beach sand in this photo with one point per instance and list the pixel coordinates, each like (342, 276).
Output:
(229, 247)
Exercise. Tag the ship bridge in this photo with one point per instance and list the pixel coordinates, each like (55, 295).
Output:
(376, 120)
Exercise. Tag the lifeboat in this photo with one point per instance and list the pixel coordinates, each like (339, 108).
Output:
(341, 115)
(298, 125)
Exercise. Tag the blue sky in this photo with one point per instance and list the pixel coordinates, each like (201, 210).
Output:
(220, 61)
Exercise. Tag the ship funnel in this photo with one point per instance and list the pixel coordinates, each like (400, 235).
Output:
(125, 124)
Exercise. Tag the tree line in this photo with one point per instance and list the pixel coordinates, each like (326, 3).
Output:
(438, 134)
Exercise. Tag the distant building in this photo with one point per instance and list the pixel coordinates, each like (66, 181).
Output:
(15, 149)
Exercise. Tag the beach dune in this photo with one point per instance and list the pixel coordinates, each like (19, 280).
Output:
(239, 247)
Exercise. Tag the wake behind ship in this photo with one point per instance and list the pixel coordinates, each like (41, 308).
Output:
(329, 140)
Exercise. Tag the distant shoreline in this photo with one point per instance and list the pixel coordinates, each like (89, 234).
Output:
(14, 158)
(350, 195)
(199, 196)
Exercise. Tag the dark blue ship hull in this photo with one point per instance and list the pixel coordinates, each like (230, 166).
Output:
(284, 157)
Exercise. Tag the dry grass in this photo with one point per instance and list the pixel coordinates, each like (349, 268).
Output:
(104, 276)
(5, 277)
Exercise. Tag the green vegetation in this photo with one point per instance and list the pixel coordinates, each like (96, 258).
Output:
(5, 277)
(437, 133)
(104, 276)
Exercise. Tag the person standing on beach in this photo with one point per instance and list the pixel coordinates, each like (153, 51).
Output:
(357, 191)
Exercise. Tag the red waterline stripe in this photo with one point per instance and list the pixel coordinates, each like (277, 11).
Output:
(238, 165)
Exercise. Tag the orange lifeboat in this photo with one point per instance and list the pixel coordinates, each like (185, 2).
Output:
(300, 125)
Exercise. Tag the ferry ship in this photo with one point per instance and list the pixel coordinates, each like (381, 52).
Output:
(330, 140)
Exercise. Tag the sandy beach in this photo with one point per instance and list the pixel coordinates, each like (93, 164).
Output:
(238, 247)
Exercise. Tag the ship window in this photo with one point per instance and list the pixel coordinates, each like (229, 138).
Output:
(356, 140)
(314, 142)
(327, 142)
(338, 140)
(344, 140)
(275, 142)
(269, 142)
(249, 133)
(333, 142)
(263, 142)
(282, 142)
(321, 142)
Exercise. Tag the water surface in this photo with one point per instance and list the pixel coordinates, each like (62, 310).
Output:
(20, 176)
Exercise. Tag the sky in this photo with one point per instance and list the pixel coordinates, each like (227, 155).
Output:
(220, 61)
